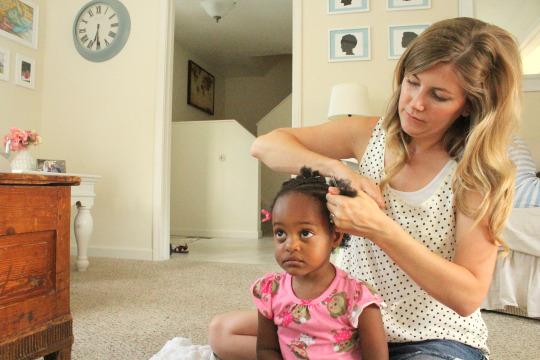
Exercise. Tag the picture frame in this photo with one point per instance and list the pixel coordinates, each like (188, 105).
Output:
(51, 166)
(347, 6)
(25, 71)
(397, 5)
(201, 88)
(351, 44)
(19, 21)
(4, 64)
(400, 36)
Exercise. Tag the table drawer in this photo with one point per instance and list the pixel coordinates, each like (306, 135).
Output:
(25, 209)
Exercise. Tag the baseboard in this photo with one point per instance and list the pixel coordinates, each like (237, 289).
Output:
(238, 234)
(119, 253)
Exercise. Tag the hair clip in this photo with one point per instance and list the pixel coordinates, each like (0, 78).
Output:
(267, 215)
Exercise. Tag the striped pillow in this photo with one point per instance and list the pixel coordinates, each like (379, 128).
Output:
(527, 184)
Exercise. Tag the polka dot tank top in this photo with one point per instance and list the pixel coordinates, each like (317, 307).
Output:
(410, 313)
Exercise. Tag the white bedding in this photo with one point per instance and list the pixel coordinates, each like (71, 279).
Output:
(516, 281)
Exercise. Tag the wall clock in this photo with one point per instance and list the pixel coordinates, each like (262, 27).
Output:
(101, 29)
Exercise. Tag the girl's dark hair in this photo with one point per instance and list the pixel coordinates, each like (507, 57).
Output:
(313, 184)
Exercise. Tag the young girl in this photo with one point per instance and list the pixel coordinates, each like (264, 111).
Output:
(313, 310)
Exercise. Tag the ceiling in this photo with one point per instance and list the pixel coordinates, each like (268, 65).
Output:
(246, 41)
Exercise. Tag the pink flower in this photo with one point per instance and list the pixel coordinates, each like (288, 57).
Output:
(342, 335)
(20, 139)
(267, 216)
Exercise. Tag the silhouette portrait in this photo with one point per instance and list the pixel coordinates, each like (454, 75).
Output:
(346, 2)
(407, 37)
(348, 43)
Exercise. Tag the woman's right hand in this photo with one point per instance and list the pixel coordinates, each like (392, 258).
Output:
(359, 183)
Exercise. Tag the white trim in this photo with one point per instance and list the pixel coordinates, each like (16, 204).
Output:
(297, 120)
(113, 252)
(466, 8)
(161, 192)
(531, 82)
(238, 234)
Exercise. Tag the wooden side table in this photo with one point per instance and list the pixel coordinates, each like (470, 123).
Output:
(35, 317)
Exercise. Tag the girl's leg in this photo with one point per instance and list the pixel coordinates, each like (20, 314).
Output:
(233, 335)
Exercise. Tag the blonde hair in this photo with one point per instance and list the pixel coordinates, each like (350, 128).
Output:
(487, 62)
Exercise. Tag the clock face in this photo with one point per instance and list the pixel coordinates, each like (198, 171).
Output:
(97, 27)
(101, 29)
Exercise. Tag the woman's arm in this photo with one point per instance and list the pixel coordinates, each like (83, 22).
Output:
(320, 148)
(373, 345)
(267, 340)
(460, 284)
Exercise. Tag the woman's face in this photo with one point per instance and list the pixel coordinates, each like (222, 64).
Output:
(430, 102)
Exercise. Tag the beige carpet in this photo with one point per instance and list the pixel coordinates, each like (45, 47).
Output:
(125, 309)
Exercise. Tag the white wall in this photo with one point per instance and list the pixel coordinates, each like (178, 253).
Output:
(271, 181)
(530, 124)
(249, 98)
(214, 180)
(100, 117)
(318, 75)
(181, 110)
(19, 106)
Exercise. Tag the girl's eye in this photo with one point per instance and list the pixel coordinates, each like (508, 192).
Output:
(280, 235)
(306, 233)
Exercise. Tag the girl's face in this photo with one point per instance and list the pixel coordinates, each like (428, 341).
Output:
(430, 102)
(302, 236)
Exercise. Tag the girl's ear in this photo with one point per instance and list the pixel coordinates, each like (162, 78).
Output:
(336, 240)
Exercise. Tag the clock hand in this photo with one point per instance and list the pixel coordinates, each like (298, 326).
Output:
(96, 39)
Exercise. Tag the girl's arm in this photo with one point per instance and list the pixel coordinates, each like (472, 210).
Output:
(267, 340)
(320, 148)
(460, 284)
(373, 343)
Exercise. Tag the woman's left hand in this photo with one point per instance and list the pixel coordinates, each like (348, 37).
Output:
(359, 216)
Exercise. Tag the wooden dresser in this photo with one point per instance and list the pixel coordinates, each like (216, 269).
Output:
(35, 318)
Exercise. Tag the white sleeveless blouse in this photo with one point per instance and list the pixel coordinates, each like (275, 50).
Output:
(411, 314)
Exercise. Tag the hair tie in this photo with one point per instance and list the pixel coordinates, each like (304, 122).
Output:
(267, 215)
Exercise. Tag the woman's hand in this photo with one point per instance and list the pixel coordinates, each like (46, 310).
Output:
(362, 184)
(361, 215)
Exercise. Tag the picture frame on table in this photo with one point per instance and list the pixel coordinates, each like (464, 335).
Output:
(19, 21)
(400, 36)
(351, 44)
(201, 88)
(347, 6)
(397, 5)
(4, 64)
(25, 71)
(51, 166)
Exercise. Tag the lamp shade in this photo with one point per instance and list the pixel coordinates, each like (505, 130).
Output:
(218, 8)
(348, 99)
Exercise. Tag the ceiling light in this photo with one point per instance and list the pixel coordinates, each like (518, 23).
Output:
(218, 8)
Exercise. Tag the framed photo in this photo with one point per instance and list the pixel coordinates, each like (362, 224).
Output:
(400, 36)
(19, 21)
(4, 64)
(52, 166)
(25, 71)
(347, 6)
(349, 44)
(201, 88)
(392, 5)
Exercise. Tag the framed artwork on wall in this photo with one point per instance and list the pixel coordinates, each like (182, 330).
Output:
(201, 88)
(4, 64)
(400, 36)
(25, 71)
(350, 44)
(347, 6)
(392, 5)
(19, 21)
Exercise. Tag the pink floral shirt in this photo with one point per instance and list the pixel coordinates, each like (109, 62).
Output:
(321, 328)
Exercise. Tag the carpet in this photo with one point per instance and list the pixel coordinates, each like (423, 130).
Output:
(127, 309)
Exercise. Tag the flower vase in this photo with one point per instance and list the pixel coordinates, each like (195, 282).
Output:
(21, 161)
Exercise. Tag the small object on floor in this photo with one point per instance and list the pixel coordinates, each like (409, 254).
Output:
(180, 249)
(182, 349)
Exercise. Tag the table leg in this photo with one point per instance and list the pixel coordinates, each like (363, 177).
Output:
(83, 225)
(62, 354)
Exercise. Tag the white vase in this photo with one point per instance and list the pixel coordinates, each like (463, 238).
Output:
(22, 160)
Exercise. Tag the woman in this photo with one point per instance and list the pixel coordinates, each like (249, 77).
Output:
(435, 185)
